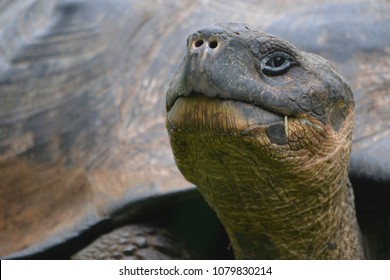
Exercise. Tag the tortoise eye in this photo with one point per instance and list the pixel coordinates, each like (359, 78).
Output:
(276, 63)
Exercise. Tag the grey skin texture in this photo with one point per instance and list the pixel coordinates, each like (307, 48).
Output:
(83, 144)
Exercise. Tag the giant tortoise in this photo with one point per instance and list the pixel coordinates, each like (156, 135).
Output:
(260, 126)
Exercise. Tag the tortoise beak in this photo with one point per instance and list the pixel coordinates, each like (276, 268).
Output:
(216, 116)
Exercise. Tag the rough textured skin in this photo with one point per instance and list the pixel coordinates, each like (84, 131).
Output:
(134, 242)
(83, 142)
(268, 194)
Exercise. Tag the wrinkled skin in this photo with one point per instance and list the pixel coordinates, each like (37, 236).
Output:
(252, 137)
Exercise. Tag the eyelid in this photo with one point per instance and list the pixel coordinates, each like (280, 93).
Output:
(281, 53)
(267, 70)
(267, 54)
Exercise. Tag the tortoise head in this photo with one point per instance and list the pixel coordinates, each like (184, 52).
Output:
(264, 131)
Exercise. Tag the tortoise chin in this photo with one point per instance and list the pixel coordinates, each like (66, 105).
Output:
(199, 113)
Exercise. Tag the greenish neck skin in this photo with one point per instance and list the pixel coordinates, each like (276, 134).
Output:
(271, 211)
(323, 231)
(275, 220)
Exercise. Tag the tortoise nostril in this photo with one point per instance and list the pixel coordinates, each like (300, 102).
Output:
(198, 43)
(213, 44)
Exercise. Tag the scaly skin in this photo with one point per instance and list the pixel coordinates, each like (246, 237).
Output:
(278, 184)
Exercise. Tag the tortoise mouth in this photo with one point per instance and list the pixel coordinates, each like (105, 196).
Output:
(172, 98)
(222, 116)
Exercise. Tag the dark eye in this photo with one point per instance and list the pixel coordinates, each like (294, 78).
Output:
(276, 63)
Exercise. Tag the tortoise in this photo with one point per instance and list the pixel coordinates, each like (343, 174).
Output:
(84, 150)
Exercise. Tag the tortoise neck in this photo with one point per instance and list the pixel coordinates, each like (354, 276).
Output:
(325, 229)
(271, 210)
